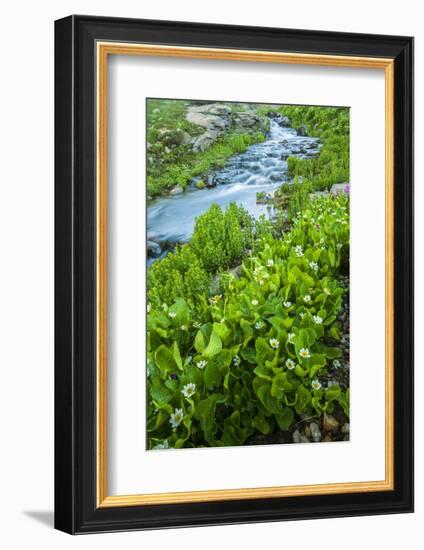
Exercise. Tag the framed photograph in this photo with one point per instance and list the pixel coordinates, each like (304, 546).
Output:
(234, 274)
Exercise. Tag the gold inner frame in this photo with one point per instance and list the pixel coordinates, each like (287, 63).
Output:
(104, 49)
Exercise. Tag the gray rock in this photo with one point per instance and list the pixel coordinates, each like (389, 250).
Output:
(302, 131)
(304, 439)
(345, 428)
(153, 249)
(297, 437)
(315, 432)
(176, 190)
(285, 121)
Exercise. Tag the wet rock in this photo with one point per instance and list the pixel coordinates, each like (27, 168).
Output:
(315, 432)
(176, 190)
(302, 131)
(330, 424)
(210, 181)
(285, 121)
(153, 249)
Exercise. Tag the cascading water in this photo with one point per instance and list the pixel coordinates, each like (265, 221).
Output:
(261, 168)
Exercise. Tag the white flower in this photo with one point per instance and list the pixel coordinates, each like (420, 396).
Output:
(236, 360)
(259, 325)
(287, 304)
(336, 364)
(196, 324)
(183, 327)
(313, 266)
(316, 385)
(172, 314)
(165, 307)
(299, 251)
(302, 314)
(176, 418)
(189, 390)
(317, 319)
(149, 307)
(290, 364)
(274, 343)
(304, 353)
(163, 445)
(270, 263)
(307, 298)
(290, 337)
(339, 246)
(254, 302)
(201, 364)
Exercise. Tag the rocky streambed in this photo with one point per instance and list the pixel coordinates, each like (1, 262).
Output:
(262, 168)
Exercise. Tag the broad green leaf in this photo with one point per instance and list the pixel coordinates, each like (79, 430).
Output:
(285, 419)
(303, 399)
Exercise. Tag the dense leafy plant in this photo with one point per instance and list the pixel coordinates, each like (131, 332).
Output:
(254, 358)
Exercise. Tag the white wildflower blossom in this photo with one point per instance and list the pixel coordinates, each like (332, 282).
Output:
(317, 319)
(254, 302)
(307, 298)
(313, 266)
(236, 360)
(290, 337)
(302, 314)
(176, 418)
(299, 251)
(290, 364)
(165, 307)
(189, 390)
(172, 314)
(270, 263)
(196, 324)
(316, 385)
(259, 325)
(304, 353)
(287, 304)
(201, 364)
(274, 343)
(183, 327)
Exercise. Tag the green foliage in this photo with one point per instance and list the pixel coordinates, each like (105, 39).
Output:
(170, 158)
(251, 359)
(220, 238)
(331, 125)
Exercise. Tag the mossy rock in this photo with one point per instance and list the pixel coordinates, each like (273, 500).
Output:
(200, 184)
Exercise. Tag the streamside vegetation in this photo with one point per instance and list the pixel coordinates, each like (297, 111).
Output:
(247, 323)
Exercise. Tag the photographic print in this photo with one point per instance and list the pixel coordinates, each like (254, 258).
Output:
(248, 274)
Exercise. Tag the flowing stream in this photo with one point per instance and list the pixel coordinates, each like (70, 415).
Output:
(261, 168)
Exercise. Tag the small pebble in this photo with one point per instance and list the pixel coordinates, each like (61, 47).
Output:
(345, 428)
(296, 437)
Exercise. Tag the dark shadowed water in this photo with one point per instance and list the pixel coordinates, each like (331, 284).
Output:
(262, 167)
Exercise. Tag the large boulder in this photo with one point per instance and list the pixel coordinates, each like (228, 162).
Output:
(213, 116)
(247, 121)
(302, 131)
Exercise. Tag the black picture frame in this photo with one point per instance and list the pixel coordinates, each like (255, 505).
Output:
(76, 510)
